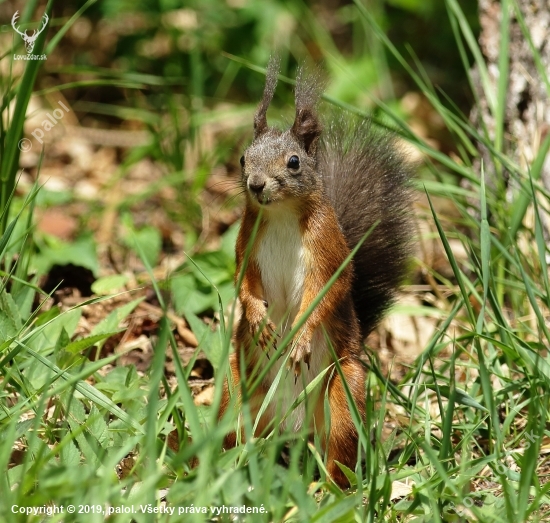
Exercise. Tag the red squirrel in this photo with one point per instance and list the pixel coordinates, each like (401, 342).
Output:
(315, 194)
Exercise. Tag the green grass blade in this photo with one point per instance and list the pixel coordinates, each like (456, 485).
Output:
(524, 198)
(10, 161)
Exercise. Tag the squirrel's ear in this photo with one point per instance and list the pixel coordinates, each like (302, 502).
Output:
(307, 127)
(260, 118)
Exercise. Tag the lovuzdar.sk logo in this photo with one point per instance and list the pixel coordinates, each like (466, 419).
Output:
(29, 40)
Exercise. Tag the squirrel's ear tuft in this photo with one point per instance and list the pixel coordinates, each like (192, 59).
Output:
(260, 118)
(307, 127)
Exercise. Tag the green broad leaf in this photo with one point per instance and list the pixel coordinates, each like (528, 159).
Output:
(10, 319)
(76, 416)
(189, 295)
(120, 377)
(229, 240)
(417, 310)
(63, 358)
(112, 321)
(124, 387)
(227, 293)
(46, 198)
(350, 475)
(363, 72)
(24, 427)
(145, 242)
(48, 336)
(110, 284)
(206, 274)
(14, 475)
(63, 340)
(46, 316)
(98, 428)
(340, 510)
(125, 394)
(214, 267)
(24, 299)
(81, 252)
(150, 243)
(69, 455)
(209, 341)
(77, 346)
(68, 353)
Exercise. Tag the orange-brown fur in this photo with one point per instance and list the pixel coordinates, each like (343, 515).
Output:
(324, 240)
(312, 201)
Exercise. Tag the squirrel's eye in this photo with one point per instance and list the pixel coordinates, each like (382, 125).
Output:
(293, 162)
(242, 161)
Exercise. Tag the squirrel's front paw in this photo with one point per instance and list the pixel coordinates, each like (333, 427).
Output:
(265, 333)
(301, 351)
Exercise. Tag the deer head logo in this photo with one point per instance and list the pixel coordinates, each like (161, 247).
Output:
(29, 40)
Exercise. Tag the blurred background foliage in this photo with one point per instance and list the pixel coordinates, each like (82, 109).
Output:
(187, 42)
(180, 70)
(187, 75)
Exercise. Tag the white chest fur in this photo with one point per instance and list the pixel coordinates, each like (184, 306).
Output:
(281, 258)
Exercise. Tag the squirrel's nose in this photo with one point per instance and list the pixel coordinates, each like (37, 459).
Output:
(256, 187)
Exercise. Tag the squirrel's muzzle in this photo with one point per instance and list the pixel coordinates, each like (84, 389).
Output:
(256, 187)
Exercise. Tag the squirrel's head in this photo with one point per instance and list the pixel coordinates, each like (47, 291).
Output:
(281, 166)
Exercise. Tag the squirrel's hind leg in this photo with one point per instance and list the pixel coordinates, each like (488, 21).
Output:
(254, 404)
(230, 439)
(343, 436)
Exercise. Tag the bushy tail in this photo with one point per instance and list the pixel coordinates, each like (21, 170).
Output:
(367, 180)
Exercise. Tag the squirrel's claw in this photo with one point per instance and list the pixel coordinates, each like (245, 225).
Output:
(307, 358)
(266, 337)
(301, 351)
(297, 369)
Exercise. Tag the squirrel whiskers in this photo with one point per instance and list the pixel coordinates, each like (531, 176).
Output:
(315, 192)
